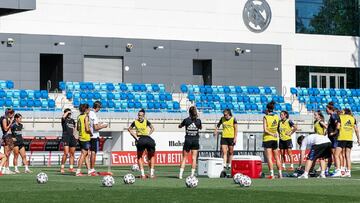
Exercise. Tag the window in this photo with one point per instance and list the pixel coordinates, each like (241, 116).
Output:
(330, 17)
(327, 77)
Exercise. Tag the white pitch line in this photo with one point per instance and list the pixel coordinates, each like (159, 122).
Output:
(343, 178)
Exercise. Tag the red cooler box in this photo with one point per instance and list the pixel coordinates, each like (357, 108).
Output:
(247, 165)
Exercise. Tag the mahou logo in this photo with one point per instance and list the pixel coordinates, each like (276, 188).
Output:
(175, 143)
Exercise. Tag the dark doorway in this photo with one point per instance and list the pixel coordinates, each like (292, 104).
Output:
(203, 68)
(51, 71)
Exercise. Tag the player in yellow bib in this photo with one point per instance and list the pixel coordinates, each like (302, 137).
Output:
(346, 127)
(319, 123)
(270, 139)
(83, 126)
(228, 138)
(286, 129)
(143, 142)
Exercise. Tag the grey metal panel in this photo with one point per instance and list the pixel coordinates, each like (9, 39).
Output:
(172, 65)
(9, 4)
(29, 66)
(27, 4)
(75, 77)
(73, 68)
(29, 76)
(22, 84)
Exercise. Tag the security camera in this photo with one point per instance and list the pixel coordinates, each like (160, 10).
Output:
(129, 46)
(238, 50)
(10, 42)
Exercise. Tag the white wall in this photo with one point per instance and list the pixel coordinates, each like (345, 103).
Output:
(199, 20)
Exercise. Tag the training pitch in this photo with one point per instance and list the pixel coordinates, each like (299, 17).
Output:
(167, 188)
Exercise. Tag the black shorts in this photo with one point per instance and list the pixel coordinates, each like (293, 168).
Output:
(145, 142)
(334, 141)
(272, 144)
(322, 151)
(84, 145)
(69, 141)
(227, 141)
(344, 144)
(19, 144)
(285, 144)
(191, 143)
(94, 144)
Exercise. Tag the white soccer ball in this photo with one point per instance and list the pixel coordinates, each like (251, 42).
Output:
(191, 182)
(245, 181)
(135, 167)
(41, 178)
(108, 181)
(237, 177)
(129, 179)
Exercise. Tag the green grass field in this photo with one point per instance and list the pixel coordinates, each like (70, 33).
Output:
(167, 188)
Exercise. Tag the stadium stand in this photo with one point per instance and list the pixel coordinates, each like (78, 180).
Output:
(240, 99)
(25, 100)
(317, 98)
(121, 97)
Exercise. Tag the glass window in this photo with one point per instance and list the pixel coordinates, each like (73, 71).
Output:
(314, 81)
(332, 82)
(331, 17)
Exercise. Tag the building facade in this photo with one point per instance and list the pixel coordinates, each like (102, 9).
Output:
(281, 43)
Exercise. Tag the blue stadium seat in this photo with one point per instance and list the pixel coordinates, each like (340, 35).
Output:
(51, 103)
(44, 94)
(37, 94)
(9, 84)
(8, 102)
(23, 94)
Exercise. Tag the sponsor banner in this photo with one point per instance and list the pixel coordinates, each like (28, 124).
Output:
(165, 141)
(174, 141)
(161, 158)
(296, 155)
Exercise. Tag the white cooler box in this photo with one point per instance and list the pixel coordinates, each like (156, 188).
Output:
(211, 167)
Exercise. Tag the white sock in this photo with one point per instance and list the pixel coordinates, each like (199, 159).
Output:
(322, 173)
(292, 165)
(71, 166)
(280, 172)
(26, 167)
(16, 168)
(78, 170)
(272, 172)
(283, 165)
(7, 168)
(192, 172)
(181, 172)
(348, 171)
(0, 168)
(306, 173)
(152, 171)
(142, 172)
(62, 166)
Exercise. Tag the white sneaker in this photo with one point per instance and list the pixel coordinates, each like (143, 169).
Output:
(28, 171)
(17, 171)
(180, 177)
(347, 175)
(337, 174)
(321, 176)
(303, 176)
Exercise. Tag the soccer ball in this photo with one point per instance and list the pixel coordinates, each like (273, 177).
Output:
(108, 181)
(135, 167)
(245, 181)
(191, 182)
(41, 178)
(129, 179)
(237, 177)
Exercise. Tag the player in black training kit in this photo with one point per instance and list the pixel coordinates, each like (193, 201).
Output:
(19, 147)
(192, 126)
(68, 140)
